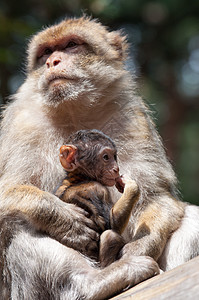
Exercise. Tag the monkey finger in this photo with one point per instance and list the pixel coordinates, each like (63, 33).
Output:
(119, 184)
(95, 223)
(92, 234)
(100, 222)
(87, 206)
(86, 243)
(93, 226)
(81, 211)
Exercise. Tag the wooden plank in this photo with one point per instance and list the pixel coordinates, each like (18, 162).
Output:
(180, 283)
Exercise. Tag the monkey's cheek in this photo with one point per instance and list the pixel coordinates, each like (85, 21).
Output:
(109, 182)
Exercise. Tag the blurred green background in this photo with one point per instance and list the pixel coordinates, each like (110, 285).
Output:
(164, 53)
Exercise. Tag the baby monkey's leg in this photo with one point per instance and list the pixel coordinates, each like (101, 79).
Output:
(110, 245)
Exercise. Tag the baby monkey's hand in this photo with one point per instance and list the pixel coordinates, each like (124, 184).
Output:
(119, 183)
(124, 181)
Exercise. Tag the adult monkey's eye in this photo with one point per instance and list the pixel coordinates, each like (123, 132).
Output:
(106, 157)
(47, 51)
(71, 44)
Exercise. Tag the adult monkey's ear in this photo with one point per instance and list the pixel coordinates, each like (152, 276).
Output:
(67, 156)
(118, 42)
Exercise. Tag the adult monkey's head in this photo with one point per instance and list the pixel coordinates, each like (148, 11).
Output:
(76, 60)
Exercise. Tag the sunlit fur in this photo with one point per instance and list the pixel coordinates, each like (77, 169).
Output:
(38, 121)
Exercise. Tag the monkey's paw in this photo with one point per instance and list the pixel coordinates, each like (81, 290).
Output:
(76, 230)
(130, 186)
(145, 267)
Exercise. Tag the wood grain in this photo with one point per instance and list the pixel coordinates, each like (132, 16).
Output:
(179, 283)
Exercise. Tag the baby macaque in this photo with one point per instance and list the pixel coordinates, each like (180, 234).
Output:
(90, 159)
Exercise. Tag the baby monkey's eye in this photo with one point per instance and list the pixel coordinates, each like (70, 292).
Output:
(105, 157)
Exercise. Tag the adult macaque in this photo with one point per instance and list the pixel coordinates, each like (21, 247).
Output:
(90, 159)
(76, 79)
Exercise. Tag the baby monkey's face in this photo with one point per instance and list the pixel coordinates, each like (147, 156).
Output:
(106, 167)
(93, 155)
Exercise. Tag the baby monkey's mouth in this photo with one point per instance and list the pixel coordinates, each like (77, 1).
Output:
(111, 181)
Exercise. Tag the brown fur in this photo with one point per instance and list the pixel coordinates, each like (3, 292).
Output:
(85, 186)
(97, 92)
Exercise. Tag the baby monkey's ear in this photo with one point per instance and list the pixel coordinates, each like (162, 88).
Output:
(68, 157)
